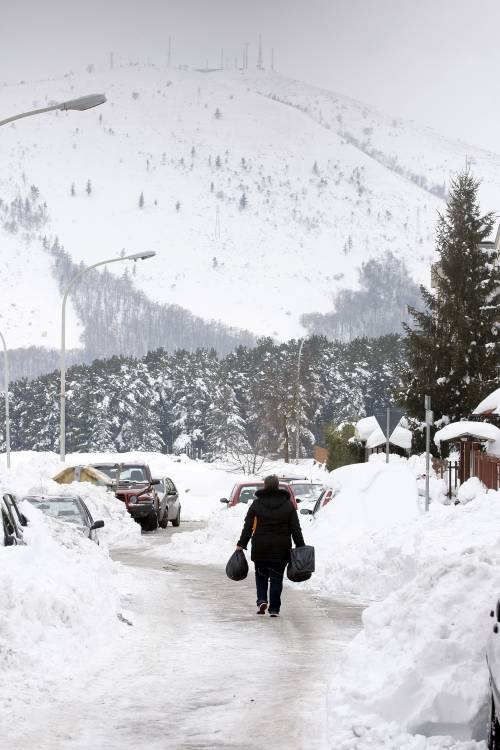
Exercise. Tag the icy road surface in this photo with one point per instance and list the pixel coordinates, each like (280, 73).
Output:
(197, 668)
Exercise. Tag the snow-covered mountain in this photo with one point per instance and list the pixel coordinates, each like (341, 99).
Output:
(327, 183)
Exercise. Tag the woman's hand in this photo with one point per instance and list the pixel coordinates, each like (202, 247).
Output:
(240, 549)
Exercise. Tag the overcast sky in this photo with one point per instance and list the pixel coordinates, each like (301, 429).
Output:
(435, 61)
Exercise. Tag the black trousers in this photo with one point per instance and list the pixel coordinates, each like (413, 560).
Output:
(269, 577)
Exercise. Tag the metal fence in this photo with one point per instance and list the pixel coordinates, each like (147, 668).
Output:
(449, 471)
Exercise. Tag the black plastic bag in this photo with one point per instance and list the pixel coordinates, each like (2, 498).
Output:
(301, 565)
(237, 566)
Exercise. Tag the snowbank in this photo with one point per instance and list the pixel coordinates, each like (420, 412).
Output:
(59, 601)
(369, 497)
(420, 659)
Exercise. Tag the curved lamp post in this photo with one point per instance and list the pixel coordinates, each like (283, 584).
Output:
(7, 419)
(76, 277)
(80, 104)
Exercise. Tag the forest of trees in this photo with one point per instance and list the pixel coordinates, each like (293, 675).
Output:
(378, 307)
(243, 404)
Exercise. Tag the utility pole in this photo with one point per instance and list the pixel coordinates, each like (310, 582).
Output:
(169, 57)
(272, 58)
(429, 419)
(245, 55)
(387, 444)
(222, 59)
(111, 60)
(298, 404)
(260, 65)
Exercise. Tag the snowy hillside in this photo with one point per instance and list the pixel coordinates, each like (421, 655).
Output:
(328, 183)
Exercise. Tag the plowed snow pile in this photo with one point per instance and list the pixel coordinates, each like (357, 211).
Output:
(418, 665)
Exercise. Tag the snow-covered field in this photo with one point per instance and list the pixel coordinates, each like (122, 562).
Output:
(415, 677)
(325, 177)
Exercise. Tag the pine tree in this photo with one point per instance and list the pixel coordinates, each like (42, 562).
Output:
(243, 202)
(453, 349)
(89, 187)
(73, 191)
(217, 114)
(141, 200)
(218, 162)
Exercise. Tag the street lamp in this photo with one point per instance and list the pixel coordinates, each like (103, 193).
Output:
(7, 420)
(76, 277)
(297, 428)
(80, 104)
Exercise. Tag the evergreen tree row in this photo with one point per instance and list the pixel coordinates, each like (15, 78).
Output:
(244, 404)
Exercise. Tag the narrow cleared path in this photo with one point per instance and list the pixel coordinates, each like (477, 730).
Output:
(197, 668)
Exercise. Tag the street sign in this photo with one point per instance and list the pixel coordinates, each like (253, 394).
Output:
(393, 420)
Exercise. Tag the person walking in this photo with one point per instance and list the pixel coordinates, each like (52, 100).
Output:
(272, 522)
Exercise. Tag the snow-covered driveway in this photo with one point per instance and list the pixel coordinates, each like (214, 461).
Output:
(198, 668)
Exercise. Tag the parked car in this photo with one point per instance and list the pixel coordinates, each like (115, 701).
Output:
(244, 492)
(12, 521)
(307, 491)
(68, 508)
(493, 661)
(135, 486)
(170, 494)
(326, 495)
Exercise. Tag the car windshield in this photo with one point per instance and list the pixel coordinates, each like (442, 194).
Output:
(306, 490)
(62, 508)
(247, 494)
(128, 473)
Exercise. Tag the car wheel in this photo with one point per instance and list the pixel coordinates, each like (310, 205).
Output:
(177, 520)
(493, 728)
(150, 523)
(164, 521)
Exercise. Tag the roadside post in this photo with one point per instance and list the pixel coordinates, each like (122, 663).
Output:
(388, 419)
(429, 420)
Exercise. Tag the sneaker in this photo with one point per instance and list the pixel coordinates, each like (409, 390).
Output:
(274, 614)
(261, 608)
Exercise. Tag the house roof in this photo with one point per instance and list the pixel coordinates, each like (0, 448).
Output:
(478, 430)
(489, 405)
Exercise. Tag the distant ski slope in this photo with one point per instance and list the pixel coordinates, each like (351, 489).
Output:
(329, 182)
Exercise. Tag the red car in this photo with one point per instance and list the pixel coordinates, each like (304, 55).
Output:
(244, 492)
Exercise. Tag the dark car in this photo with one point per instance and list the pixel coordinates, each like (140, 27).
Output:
(493, 661)
(70, 509)
(12, 520)
(326, 495)
(244, 492)
(150, 502)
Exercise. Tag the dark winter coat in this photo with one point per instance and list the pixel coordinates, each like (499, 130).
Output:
(277, 522)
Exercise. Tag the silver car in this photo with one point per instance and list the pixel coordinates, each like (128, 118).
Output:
(70, 509)
(169, 497)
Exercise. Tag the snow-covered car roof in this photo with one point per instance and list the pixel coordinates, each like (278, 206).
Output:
(489, 405)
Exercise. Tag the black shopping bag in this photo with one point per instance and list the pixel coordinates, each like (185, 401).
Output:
(237, 566)
(301, 565)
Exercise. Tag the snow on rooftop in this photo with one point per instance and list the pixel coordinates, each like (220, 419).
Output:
(490, 404)
(480, 430)
(400, 437)
(368, 430)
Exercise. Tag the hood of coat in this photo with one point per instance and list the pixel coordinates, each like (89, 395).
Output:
(273, 499)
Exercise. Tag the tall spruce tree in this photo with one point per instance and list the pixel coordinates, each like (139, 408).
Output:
(453, 349)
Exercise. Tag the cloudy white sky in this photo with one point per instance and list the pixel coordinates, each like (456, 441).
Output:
(435, 61)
